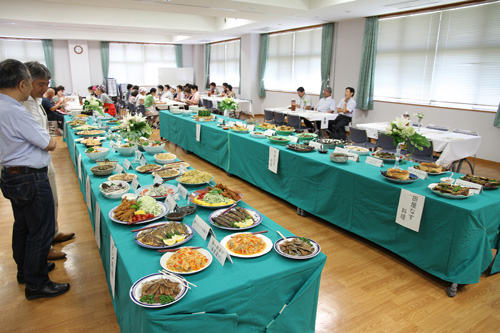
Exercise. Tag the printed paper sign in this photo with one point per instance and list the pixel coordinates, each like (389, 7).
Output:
(339, 150)
(419, 173)
(353, 157)
(198, 132)
(182, 191)
(219, 252)
(118, 168)
(135, 183)
(97, 225)
(143, 160)
(127, 164)
(251, 127)
(113, 256)
(201, 227)
(88, 194)
(80, 166)
(158, 180)
(324, 123)
(314, 144)
(473, 187)
(274, 156)
(374, 161)
(269, 132)
(170, 202)
(410, 209)
(293, 139)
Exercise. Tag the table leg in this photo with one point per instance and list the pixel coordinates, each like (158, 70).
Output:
(301, 212)
(451, 291)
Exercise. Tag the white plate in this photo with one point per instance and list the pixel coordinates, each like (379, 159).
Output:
(140, 166)
(167, 255)
(269, 246)
(135, 290)
(164, 211)
(100, 138)
(110, 178)
(447, 195)
(258, 136)
(257, 217)
(363, 152)
(165, 246)
(316, 247)
(412, 179)
(141, 189)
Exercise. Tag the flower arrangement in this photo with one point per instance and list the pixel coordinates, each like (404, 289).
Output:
(399, 130)
(419, 115)
(227, 104)
(134, 127)
(93, 104)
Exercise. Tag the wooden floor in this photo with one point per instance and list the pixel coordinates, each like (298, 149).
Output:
(363, 286)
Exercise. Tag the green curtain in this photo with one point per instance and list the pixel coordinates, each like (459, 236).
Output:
(239, 84)
(48, 54)
(207, 66)
(264, 49)
(178, 56)
(105, 60)
(326, 55)
(497, 118)
(366, 78)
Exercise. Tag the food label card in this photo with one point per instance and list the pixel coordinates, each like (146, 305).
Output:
(158, 180)
(143, 160)
(219, 252)
(230, 124)
(170, 202)
(251, 127)
(97, 225)
(220, 120)
(419, 173)
(202, 228)
(239, 123)
(127, 164)
(269, 132)
(274, 156)
(339, 150)
(113, 256)
(135, 184)
(473, 187)
(182, 191)
(314, 144)
(139, 154)
(119, 168)
(324, 123)
(374, 161)
(80, 166)
(198, 132)
(353, 157)
(410, 210)
(293, 139)
(182, 169)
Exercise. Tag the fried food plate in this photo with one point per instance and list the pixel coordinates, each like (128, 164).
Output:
(257, 217)
(164, 211)
(166, 256)
(121, 176)
(412, 179)
(315, 246)
(447, 195)
(188, 237)
(196, 193)
(148, 168)
(267, 241)
(136, 289)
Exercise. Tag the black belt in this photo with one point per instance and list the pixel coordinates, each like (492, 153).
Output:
(19, 170)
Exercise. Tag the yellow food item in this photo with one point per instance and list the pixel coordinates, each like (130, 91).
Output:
(169, 241)
(195, 177)
(246, 244)
(137, 212)
(186, 260)
(203, 203)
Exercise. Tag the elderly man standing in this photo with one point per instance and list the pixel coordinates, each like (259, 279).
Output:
(41, 76)
(24, 147)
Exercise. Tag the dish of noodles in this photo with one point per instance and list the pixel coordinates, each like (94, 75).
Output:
(246, 245)
(186, 260)
(195, 177)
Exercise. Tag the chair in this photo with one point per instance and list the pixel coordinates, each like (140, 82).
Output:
(269, 117)
(424, 155)
(457, 165)
(141, 109)
(359, 138)
(296, 122)
(386, 143)
(131, 108)
(279, 118)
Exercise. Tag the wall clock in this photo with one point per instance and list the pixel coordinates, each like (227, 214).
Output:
(78, 49)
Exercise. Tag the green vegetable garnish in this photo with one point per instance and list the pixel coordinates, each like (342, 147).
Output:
(150, 299)
(215, 191)
(89, 150)
(456, 188)
(305, 240)
(164, 299)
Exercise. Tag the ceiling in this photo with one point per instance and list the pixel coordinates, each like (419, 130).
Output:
(182, 21)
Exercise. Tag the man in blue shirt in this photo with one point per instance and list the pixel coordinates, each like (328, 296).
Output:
(51, 107)
(24, 147)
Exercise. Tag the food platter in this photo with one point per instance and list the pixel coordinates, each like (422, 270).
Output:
(165, 246)
(315, 246)
(447, 195)
(301, 148)
(198, 192)
(279, 140)
(267, 241)
(176, 165)
(135, 290)
(487, 183)
(90, 132)
(197, 184)
(148, 168)
(164, 259)
(432, 173)
(164, 211)
(257, 217)
(167, 173)
(387, 160)
(258, 136)
(130, 177)
(412, 179)
(144, 190)
(358, 150)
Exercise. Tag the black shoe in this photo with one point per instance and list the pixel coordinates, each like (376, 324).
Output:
(51, 289)
(20, 277)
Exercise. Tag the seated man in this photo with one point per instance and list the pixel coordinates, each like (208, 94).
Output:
(304, 101)
(51, 108)
(327, 103)
(345, 109)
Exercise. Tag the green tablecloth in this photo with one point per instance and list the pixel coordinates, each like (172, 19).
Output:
(455, 238)
(246, 296)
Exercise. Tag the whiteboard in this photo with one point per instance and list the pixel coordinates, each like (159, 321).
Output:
(175, 76)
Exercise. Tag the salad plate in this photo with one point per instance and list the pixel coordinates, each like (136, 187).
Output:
(194, 197)
(157, 191)
(164, 211)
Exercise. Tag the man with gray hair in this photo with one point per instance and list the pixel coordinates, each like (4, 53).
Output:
(327, 103)
(40, 76)
(24, 155)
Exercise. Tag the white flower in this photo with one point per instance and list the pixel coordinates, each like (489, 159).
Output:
(408, 131)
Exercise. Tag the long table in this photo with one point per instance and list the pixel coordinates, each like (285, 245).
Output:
(455, 238)
(265, 294)
(453, 146)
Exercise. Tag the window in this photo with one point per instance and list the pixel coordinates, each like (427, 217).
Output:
(22, 49)
(139, 63)
(225, 63)
(446, 58)
(294, 60)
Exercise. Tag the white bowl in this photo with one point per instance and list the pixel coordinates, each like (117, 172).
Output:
(130, 196)
(154, 149)
(186, 112)
(193, 108)
(175, 110)
(116, 194)
(448, 180)
(103, 152)
(161, 161)
(125, 151)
